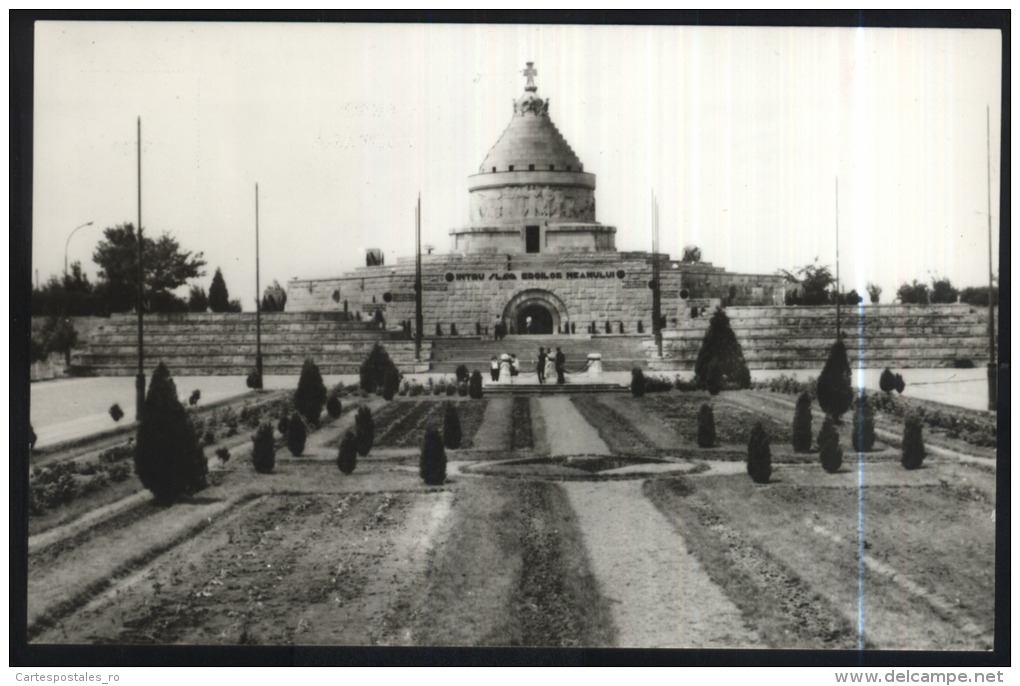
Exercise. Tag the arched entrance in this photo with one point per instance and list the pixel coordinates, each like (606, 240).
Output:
(548, 313)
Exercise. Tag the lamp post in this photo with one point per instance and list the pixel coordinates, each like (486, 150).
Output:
(258, 302)
(419, 319)
(68, 242)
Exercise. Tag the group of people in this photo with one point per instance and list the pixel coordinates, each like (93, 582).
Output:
(546, 365)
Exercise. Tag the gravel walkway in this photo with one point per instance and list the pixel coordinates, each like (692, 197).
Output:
(659, 593)
(567, 431)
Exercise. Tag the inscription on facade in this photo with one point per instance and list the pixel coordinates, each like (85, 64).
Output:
(533, 276)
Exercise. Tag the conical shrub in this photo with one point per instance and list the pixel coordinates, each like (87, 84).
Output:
(451, 426)
(310, 396)
(720, 346)
(364, 430)
(828, 446)
(373, 370)
(887, 382)
(168, 460)
(347, 458)
(391, 382)
(706, 426)
(475, 385)
(263, 453)
(637, 382)
(913, 442)
(834, 391)
(297, 433)
(759, 455)
(802, 424)
(334, 407)
(432, 462)
(863, 435)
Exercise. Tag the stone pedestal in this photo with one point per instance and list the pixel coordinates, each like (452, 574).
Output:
(595, 365)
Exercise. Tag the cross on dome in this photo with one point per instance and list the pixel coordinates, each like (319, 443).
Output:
(531, 73)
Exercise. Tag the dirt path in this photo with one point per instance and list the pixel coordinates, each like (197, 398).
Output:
(567, 431)
(659, 593)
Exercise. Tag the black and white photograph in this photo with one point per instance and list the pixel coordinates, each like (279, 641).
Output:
(513, 335)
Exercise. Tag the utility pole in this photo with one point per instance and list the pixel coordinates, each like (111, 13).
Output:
(656, 274)
(418, 317)
(839, 332)
(258, 302)
(140, 377)
(993, 391)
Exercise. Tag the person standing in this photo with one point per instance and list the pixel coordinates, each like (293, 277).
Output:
(494, 369)
(515, 367)
(527, 324)
(561, 361)
(540, 368)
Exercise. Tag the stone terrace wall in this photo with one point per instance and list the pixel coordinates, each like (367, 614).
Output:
(899, 336)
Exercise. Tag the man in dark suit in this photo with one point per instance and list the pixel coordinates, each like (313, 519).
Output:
(541, 365)
(561, 360)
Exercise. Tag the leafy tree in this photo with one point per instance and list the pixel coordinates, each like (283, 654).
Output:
(166, 267)
(347, 457)
(198, 301)
(915, 293)
(979, 296)
(720, 356)
(942, 291)
(310, 396)
(834, 391)
(432, 460)
(451, 426)
(874, 292)
(828, 445)
(812, 282)
(168, 459)
(60, 336)
(706, 426)
(219, 297)
(759, 455)
(73, 295)
(802, 424)
(364, 430)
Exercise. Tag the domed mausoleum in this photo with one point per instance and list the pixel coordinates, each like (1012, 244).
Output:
(533, 252)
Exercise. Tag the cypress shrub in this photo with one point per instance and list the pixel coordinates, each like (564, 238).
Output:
(334, 407)
(720, 346)
(391, 382)
(887, 382)
(116, 413)
(364, 429)
(462, 373)
(451, 389)
(834, 391)
(475, 385)
(347, 458)
(168, 460)
(706, 426)
(310, 396)
(828, 446)
(759, 455)
(263, 454)
(802, 424)
(284, 422)
(900, 385)
(637, 382)
(432, 462)
(451, 426)
(296, 434)
(863, 435)
(913, 442)
(373, 370)
(462, 390)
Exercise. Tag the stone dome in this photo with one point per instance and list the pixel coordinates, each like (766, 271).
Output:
(531, 142)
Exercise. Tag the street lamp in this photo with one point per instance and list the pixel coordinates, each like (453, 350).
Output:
(68, 242)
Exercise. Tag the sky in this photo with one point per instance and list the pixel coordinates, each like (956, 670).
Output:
(741, 134)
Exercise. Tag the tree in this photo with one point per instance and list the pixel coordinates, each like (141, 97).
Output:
(913, 442)
(72, 295)
(219, 297)
(391, 382)
(637, 382)
(60, 336)
(834, 391)
(802, 424)
(874, 292)
(863, 435)
(432, 460)
(706, 426)
(451, 426)
(333, 406)
(974, 296)
(372, 373)
(310, 396)
(165, 265)
(474, 385)
(263, 454)
(347, 457)
(297, 433)
(942, 291)
(887, 381)
(812, 283)
(828, 446)
(198, 301)
(364, 430)
(759, 455)
(720, 346)
(915, 293)
(168, 459)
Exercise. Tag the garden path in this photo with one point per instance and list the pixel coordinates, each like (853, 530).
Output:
(567, 431)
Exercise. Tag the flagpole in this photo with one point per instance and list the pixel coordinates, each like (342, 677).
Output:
(258, 301)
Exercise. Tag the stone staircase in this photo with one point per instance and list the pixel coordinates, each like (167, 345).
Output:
(575, 387)
(224, 344)
(619, 352)
(876, 336)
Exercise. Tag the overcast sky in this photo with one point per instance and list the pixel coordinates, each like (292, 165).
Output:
(741, 132)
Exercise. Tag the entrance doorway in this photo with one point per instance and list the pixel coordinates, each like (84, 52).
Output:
(541, 319)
